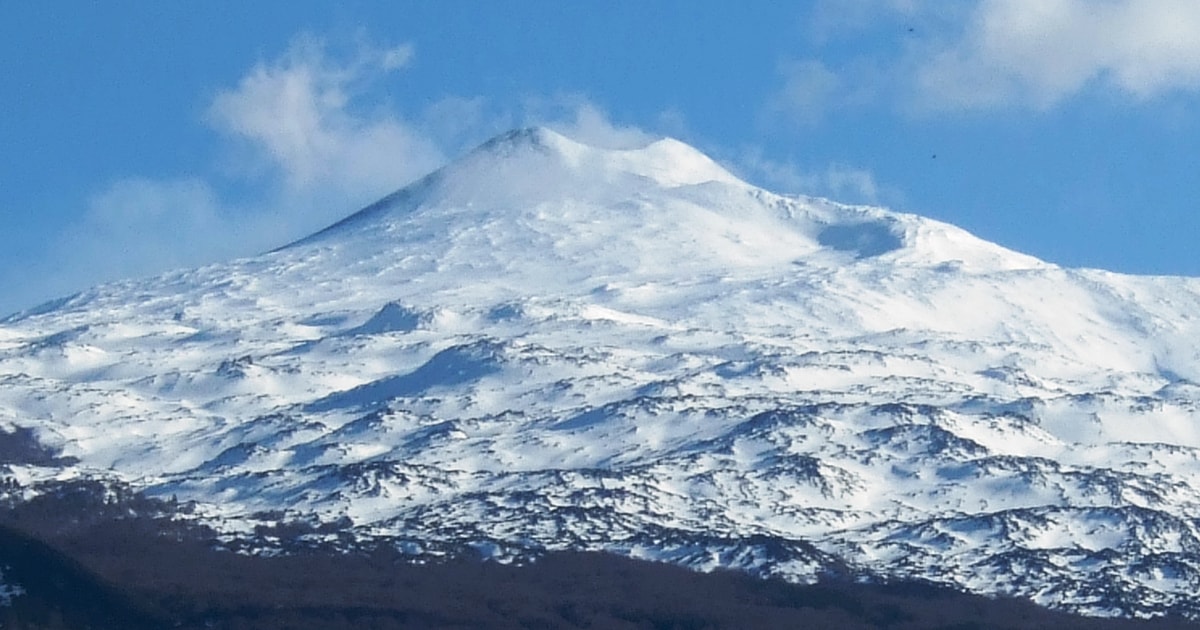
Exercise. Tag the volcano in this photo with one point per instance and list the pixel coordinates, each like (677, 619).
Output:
(550, 346)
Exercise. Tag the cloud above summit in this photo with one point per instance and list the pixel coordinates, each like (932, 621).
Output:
(305, 138)
(302, 133)
(300, 114)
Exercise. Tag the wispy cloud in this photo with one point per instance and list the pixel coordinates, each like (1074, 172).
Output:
(310, 136)
(857, 53)
(837, 181)
(1037, 53)
(305, 137)
(578, 117)
(809, 89)
(922, 57)
(298, 114)
(137, 222)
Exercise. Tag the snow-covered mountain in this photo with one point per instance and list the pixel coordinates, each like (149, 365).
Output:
(547, 345)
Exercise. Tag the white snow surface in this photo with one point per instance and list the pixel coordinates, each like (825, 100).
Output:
(547, 345)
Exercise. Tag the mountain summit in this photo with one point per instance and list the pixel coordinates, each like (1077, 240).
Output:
(535, 186)
(548, 345)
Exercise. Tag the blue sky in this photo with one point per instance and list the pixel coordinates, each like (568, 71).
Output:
(137, 136)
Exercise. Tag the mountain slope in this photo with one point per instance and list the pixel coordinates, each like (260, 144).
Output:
(546, 345)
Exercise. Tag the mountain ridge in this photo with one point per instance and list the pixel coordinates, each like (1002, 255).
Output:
(548, 346)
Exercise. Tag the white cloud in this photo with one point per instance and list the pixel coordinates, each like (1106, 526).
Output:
(459, 123)
(396, 57)
(138, 223)
(131, 228)
(310, 140)
(809, 89)
(673, 122)
(930, 56)
(840, 182)
(297, 114)
(462, 123)
(308, 137)
(577, 117)
(1037, 53)
(849, 183)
